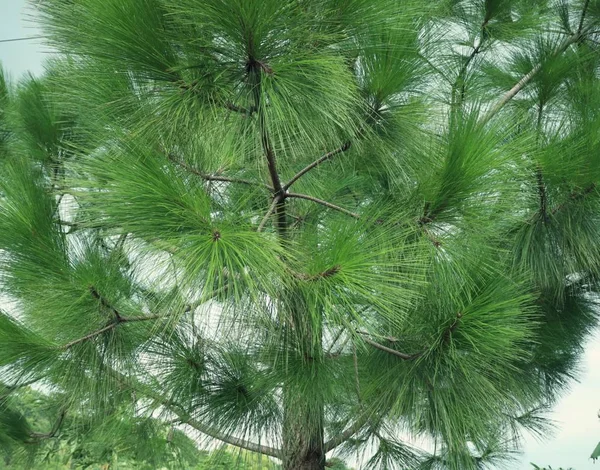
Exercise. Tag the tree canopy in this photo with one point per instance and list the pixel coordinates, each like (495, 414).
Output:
(304, 228)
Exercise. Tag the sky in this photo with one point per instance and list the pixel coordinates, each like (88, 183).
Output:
(575, 415)
(19, 57)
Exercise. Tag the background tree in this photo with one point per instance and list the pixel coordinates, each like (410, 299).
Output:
(307, 226)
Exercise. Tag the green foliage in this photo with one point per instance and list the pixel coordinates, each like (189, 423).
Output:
(86, 442)
(300, 228)
(596, 454)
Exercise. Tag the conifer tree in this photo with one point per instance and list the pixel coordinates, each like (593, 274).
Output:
(306, 228)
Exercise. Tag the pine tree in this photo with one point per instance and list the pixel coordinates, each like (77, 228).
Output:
(306, 227)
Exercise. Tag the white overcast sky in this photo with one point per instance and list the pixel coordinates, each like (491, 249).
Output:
(578, 429)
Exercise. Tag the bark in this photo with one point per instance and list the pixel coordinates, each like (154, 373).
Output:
(302, 440)
(303, 425)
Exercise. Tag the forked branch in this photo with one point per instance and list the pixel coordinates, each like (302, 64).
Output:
(279, 198)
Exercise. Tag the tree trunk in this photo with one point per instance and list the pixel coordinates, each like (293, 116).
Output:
(303, 435)
(303, 420)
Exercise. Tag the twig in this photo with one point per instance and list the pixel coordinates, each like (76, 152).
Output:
(401, 355)
(240, 109)
(323, 203)
(265, 219)
(575, 196)
(542, 194)
(315, 277)
(11, 388)
(108, 328)
(105, 303)
(316, 163)
(347, 434)
(391, 339)
(583, 13)
(356, 378)
(54, 430)
(460, 79)
(225, 179)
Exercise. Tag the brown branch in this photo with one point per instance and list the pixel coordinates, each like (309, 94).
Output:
(460, 79)
(240, 109)
(105, 303)
(108, 328)
(323, 203)
(353, 429)
(408, 357)
(11, 388)
(435, 242)
(255, 69)
(322, 275)
(356, 377)
(452, 328)
(225, 179)
(316, 163)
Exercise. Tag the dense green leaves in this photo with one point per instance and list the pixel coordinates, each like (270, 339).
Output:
(301, 227)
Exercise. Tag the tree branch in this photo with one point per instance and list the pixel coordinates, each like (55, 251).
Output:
(265, 219)
(184, 418)
(240, 109)
(255, 69)
(347, 434)
(225, 179)
(54, 430)
(401, 355)
(542, 194)
(583, 13)
(108, 328)
(323, 203)
(575, 196)
(232, 440)
(315, 277)
(316, 163)
(391, 339)
(510, 94)
(16, 386)
(460, 79)
(105, 303)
